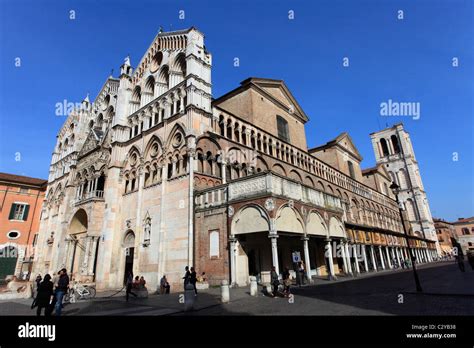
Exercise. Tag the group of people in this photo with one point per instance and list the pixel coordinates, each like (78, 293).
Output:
(190, 277)
(286, 282)
(50, 293)
(137, 283)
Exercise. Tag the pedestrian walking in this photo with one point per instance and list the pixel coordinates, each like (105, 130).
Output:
(129, 285)
(44, 297)
(193, 280)
(187, 276)
(61, 289)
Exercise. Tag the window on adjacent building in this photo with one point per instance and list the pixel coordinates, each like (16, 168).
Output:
(214, 244)
(351, 169)
(283, 132)
(465, 230)
(19, 211)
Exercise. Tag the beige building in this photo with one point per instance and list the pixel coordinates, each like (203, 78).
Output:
(446, 232)
(153, 176)
(465, 233)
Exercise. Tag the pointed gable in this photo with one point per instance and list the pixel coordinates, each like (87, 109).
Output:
(91, 142)
(345, 141)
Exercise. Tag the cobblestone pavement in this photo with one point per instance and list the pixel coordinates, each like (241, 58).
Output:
(447, 291)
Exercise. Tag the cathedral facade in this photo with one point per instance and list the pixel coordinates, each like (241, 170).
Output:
(155, 175)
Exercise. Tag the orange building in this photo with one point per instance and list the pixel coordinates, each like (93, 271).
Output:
(21, 201)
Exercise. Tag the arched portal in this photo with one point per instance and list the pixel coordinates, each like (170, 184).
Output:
(129, 246)
(76, 247)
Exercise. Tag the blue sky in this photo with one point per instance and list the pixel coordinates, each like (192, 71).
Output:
(402, 60)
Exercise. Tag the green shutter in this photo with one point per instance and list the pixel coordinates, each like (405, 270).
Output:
(12, 212)
(25, 213)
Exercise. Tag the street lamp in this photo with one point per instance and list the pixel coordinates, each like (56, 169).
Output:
(396, 189)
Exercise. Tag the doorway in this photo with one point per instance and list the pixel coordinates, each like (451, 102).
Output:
(129, 245)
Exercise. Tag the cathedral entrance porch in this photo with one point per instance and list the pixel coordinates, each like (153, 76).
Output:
(255, 253)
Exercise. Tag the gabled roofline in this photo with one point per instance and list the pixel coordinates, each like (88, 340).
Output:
(252, 82)
(335, 142)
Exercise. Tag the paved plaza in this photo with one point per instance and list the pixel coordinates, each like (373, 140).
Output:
(447, 291)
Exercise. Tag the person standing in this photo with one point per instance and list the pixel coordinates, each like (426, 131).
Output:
(63, 284)
(275, 281)
(38, 282)
(286, 281)
(187, 277)
(129, 285)
(44, 296)
(164, 285)
(193, 279)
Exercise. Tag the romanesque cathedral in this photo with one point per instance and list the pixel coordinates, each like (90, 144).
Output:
(155, 174)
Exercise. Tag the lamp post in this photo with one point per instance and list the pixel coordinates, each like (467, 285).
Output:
(396, 189)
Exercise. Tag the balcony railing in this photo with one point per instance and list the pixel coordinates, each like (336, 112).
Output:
(93, 195)
(267, 184)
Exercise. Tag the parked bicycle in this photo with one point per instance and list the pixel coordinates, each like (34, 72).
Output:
(80, 292)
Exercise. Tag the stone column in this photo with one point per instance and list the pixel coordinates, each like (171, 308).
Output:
(329, 256)
(307, 259)
(388, 258)
(398, 257)
(364, 255)
(223, 171)
(233, 256)
(348, 256)
(356, 258)
(372, 256)
(273, 238)
(94, 241)
(85, 262)
(343, 255)
(381, 257)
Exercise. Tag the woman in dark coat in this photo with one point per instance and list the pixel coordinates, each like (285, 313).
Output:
(45, 296)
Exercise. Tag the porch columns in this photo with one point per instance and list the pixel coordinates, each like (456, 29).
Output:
(372, 256)
(307, 259)
(92, 255)
(381, 257)
(364, 255)
(348, 255)
(332, 275)
(393, 253)
(343, 254)
(273, 237)
(85, 262)
(356, 258)
(388, 258)
(398, 257)
(233, 251)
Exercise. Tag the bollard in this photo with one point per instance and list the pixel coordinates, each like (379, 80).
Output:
(189, 298)
(253, 286)
(225, 291)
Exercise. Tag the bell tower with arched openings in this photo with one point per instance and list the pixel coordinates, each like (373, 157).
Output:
(393, 148)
